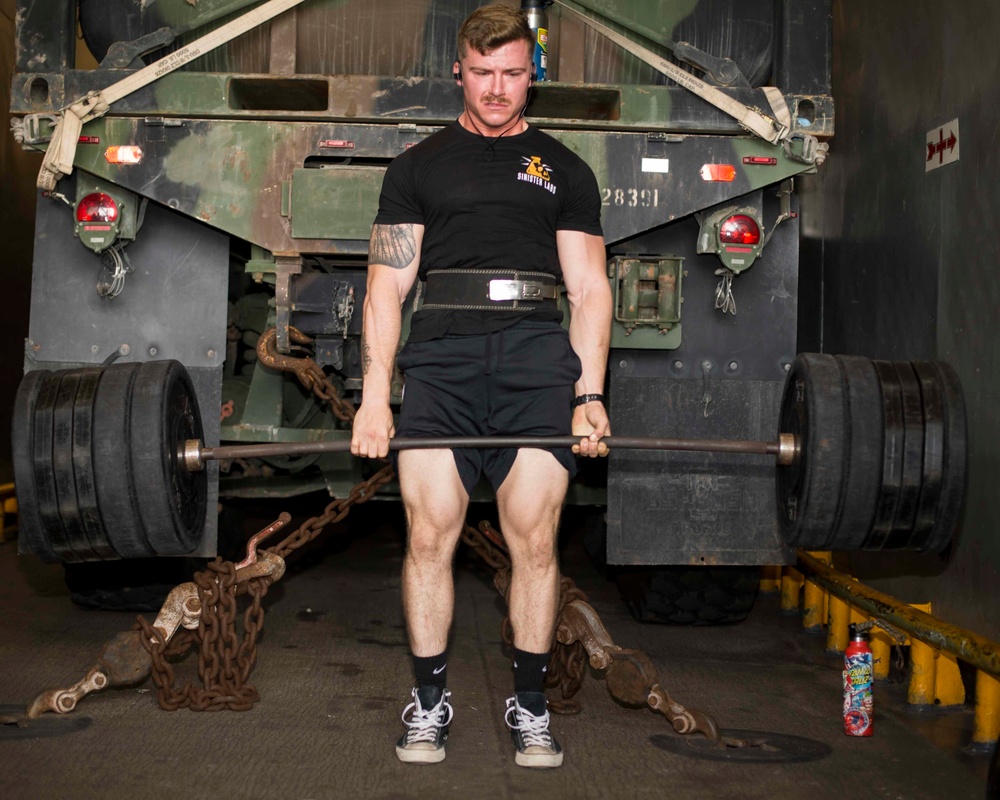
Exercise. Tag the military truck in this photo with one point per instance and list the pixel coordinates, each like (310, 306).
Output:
(227, 194)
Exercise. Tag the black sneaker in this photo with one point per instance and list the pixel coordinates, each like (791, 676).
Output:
(426, 727)
(528, 720)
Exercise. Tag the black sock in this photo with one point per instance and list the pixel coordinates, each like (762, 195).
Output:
(431, 671)
(530, 670)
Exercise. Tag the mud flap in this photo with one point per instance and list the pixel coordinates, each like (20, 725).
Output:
(700, 509)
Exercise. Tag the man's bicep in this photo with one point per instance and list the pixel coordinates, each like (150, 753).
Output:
(394, 256)
(395, 246)
(581, 256)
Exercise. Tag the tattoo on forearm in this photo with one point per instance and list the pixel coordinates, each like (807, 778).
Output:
(366, 356)
(392, 245)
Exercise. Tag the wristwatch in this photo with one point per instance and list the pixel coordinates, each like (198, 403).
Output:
(582, 399)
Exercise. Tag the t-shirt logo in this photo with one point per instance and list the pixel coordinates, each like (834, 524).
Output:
(535, 167)
(537, 173)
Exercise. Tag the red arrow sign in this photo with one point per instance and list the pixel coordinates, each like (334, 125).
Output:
(937, 148)
(943, 145)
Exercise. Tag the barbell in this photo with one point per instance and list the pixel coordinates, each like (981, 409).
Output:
(109, 462)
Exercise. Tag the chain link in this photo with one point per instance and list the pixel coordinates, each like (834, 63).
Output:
(334, 512)
(568, 664)
(225, 663)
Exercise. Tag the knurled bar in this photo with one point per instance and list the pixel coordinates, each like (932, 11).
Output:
(270, 449)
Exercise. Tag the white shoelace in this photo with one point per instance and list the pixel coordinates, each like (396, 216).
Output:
(424, 724)
(534, 729)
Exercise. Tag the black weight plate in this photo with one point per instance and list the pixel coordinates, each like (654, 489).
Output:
(83, 464)
(862, 453)
(42, 462)
(30, 533)
(933, 469)
(62, 467)
(955, 460)
(913, 457)
(892, 456)
(809, 491)
(113, 462)
(172, 500)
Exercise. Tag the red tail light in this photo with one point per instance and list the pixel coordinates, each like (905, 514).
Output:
(96, 207)
(739, 229)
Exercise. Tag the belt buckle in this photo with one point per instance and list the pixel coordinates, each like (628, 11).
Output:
(506, 290)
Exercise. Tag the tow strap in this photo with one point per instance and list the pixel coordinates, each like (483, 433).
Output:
(58, 161)
(774, 130)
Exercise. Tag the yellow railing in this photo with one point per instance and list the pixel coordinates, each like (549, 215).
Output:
(832, 599)
(8, 507)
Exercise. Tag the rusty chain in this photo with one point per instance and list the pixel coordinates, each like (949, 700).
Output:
(309, 373)
(568, 665)
(225, 663)
(333, 513)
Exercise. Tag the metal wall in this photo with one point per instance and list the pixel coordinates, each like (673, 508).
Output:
(905, 258)
(17, 216)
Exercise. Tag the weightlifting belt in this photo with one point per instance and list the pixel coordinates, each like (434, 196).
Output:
(489, 290)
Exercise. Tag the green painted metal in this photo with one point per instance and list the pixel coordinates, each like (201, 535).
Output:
(653, 19)
(335, 203)
(280, 486)
(186, 15)
(362, 98)
(232, 174)
(647, 302)
(262, 409)
(268, 433)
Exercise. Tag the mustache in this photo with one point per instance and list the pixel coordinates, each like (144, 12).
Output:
(492, 98)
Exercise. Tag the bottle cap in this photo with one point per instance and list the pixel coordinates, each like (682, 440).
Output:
(856, 634)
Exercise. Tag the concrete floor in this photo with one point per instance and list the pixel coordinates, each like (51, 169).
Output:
(333, 674)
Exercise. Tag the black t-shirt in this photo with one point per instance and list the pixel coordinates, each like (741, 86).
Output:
(488, 203)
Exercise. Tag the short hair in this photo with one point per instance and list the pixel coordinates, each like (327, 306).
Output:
(490, 27)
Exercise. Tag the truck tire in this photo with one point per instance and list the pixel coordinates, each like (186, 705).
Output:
(139, 584)
(142, 584)
(689, 595)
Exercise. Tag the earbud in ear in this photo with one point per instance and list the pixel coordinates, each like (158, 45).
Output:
(534, 75)
(457, 73)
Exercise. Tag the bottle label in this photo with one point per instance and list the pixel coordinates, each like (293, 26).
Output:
(541, 54)
(858, 700)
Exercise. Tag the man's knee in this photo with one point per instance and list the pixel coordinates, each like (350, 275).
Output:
(533, 550)
(432, 543)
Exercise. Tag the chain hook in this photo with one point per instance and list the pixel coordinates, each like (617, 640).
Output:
(270, 357)
(251, 558)
(309, 373)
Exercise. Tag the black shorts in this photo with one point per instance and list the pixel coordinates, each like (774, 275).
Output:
(515, 381)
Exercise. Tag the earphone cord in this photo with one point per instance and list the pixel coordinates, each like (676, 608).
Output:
(492, 143)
